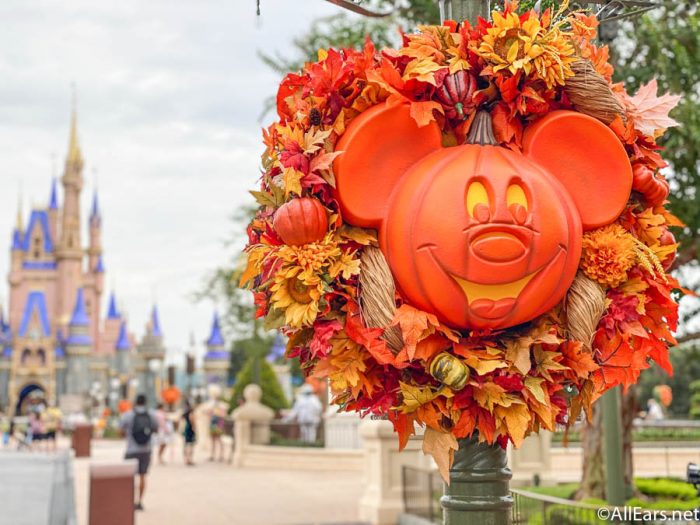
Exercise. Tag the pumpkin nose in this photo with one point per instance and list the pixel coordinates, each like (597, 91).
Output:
(498, 247)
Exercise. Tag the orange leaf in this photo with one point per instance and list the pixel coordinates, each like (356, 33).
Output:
(442, 446)
(578, 359)
(430, 346)
(422, 112)
(414, 324)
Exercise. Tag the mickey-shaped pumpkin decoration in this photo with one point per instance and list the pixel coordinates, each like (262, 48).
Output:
(482, 236)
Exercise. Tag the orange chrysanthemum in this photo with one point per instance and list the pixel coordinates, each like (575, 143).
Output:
(608, 253)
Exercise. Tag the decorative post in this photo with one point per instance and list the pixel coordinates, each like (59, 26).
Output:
(612, 448)
(479, 478)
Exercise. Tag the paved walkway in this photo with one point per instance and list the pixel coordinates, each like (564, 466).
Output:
(218, 494)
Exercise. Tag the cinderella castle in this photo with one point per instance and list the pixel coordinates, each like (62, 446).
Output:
(54, 340)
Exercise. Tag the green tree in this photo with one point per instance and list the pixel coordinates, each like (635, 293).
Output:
(258, 370)
(248, 335)
(666, 45)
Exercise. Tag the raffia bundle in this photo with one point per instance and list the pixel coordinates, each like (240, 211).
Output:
(377, 296)
(585, 304)
(590, 93)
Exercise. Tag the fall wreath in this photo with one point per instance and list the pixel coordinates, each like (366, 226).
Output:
(367, 156)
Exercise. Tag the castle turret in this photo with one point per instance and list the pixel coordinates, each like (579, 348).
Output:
(217, 359)
(53, 209)
(122, 349)
(112, 325)
(149, 359)
(95, 227)
(69, 253)
(78, 345)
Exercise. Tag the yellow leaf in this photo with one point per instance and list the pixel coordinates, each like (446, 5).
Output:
(546, 362)
(422, 69)
(254, 256)
(442, 446)
(292, 181)
(534, 385)
(518, 353)
(516, 418)
(488, 395)
(415, 396)
(359, 235)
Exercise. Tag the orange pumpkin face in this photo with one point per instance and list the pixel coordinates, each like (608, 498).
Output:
(300, 221)
(481, 236)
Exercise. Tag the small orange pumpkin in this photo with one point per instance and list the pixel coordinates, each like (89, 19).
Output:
(655, 189)
(667, 238)
(301, 221)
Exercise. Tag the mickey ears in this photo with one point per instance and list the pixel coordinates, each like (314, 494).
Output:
(377, 149)
(587, 158)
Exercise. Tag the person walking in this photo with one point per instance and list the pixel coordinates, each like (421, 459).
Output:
(139, 425)
(189, 433)
(165, 432)
(307, 411)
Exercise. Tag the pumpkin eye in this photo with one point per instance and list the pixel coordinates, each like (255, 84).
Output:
(476, 194)
(516, 195)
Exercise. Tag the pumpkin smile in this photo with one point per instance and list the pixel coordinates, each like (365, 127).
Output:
(495, 292)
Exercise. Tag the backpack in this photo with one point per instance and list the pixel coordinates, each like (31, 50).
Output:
(141, 428)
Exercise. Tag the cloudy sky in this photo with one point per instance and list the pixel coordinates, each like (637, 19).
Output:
(169, 97)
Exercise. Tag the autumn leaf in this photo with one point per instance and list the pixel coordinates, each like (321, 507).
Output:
(441, 446)
(404, 426)
(578, 359)
(430, 346)
(649, 112)
(518, 353)
(422, 70)
(488, 395)
(415, 396)
(292, 181)
(534, 386)
(323, 161)
(546, 362)
(516, 419)
(422, 112)
(414, 326)
(359, 235)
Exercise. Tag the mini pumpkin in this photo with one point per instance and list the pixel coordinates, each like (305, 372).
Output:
(481, 236)
(301, 221)
(456, 94)
(449, 370)
(654, 188)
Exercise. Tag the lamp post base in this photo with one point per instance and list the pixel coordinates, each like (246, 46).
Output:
(478, 492)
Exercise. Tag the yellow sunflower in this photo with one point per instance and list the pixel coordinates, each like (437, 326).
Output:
(300, 283)
(608, 253)
(296, 297)
(526, 45)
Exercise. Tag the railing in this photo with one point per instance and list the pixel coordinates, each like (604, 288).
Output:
(531, 508)
(422, 489)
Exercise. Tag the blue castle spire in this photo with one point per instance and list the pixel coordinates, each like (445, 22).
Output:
(155, 322)
(100, 266)
(95, 210)
(80, 316)
(112, 311)
(123, 343)
(215, 338)
(16, 240)
(53, 197)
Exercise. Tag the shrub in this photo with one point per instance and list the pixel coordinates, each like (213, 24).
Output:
(272, 394)
(666, 488)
